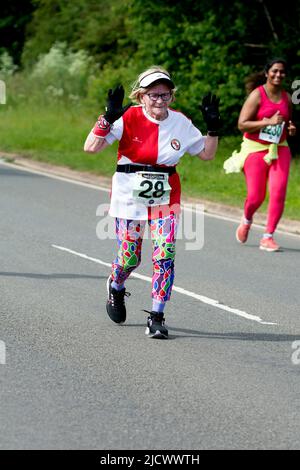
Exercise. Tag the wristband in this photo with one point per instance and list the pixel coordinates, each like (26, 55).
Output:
(213, 133)
(102, 127)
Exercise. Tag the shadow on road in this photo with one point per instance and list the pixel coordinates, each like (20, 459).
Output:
(239, 336)
(282, 249)
(294, 250)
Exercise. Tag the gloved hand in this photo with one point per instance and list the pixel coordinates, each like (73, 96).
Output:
(211, 115)
(114, 109)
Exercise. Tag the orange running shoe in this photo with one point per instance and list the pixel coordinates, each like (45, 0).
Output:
(242, 232)
(269, 244)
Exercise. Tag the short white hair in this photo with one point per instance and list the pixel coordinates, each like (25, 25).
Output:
(157, 72)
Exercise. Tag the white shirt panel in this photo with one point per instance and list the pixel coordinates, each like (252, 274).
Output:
(177, 136)
(196, 148)
(116, 131)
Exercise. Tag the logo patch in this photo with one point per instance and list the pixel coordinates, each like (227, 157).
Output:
(102, 123)
(175, 144)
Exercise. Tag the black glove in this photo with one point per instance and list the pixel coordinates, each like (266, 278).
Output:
(211, 115)
(114, 109)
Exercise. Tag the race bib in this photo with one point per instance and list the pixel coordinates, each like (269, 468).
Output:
(151, 189)
(272, 133)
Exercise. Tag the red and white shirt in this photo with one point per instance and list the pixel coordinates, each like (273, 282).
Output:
(146, 141)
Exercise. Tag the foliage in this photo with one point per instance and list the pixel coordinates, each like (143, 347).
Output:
(7, 66)
(91, 25)
(62, 72)
(15, 15)
(208, 45)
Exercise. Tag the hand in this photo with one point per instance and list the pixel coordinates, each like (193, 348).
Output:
(291, 129)
(277, 118)
(114, 109)
(210, 110)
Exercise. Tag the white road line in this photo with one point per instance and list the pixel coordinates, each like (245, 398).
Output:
(180, 290)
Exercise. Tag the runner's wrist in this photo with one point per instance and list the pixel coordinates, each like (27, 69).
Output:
(213, 133)
(102, 127)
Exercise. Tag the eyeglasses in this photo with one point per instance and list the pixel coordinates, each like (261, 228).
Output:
(163, 96)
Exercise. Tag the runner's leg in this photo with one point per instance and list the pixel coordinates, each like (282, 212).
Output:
(256, 174)
(129, 236)
(163, 235)
(278, 180)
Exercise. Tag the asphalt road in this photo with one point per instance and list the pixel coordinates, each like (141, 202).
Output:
(228, 377)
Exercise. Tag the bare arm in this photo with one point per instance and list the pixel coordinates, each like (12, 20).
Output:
(247, 122)
(209, 151)
(94, 144)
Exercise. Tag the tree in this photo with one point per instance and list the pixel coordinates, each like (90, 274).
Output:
(83, 24)
(15, 15)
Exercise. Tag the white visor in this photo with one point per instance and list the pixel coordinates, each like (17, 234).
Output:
(153, 77)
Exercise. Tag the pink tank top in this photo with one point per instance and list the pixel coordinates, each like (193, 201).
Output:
(266, 109)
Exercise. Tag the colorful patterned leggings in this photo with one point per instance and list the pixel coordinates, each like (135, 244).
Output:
(258, 173)
(130, 237)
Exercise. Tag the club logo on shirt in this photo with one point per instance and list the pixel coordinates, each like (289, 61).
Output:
(175, 144)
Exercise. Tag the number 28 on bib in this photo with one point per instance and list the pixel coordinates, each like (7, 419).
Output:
(151, 189)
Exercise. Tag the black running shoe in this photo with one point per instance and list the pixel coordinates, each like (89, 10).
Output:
(156, 326)
(115, 305)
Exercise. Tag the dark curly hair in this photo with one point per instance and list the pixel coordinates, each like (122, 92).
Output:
(259, 78)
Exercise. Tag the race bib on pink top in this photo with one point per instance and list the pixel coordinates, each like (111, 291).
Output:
(272, 134)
